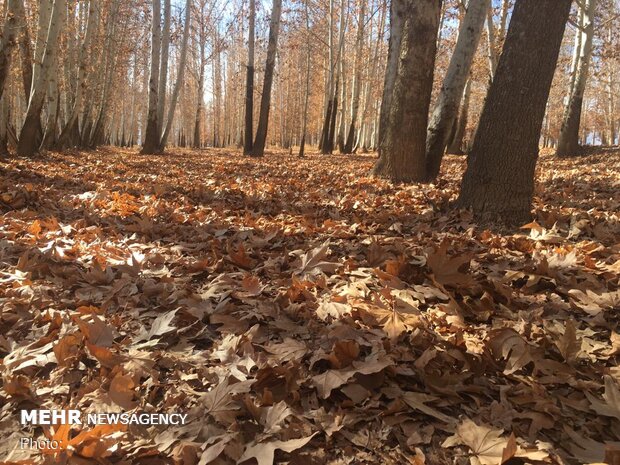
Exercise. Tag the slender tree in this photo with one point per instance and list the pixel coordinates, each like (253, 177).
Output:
(355, 100)
(163, 67)
(249, 82)
(447, 106)
(180, 77)
(304, 124)
(258, 149)
(568, 143)
(499, 180)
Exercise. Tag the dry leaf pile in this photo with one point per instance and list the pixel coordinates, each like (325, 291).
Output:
(302, 312)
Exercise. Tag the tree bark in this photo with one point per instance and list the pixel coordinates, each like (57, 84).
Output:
(248, 141)
(499, 180)
(202, 37)
(568, 143)
(355, 99)
(457, 142)
(180, 77)
(398, 10)
(447, 106)
(163, 67)
(8, 41)
(151, 136)
(67, 136)
(403, 148)
(258, 149)
(25, 49)
(304, 124)
(329, 87)
(53, 107)
(29, 137)
(491, 41)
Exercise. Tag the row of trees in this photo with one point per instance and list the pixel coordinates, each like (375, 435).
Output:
(409, 78)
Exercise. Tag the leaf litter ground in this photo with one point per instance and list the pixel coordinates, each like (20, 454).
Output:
(302, 312)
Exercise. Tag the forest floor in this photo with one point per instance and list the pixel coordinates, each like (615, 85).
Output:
(304, 309)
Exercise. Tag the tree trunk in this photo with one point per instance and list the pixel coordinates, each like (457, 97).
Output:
(355, 99)
(45, 12)
(163, 68)
(53, 107)
(403, 148)
(180, 76)
(8, 40)
(398, 10)
(67, 136)
(568, 143)
(29, 137)
(96, 136)
(258, 149)
(329, 87)
(499, 180)
(249, 83)
(447, 106)
(4, 126)
(25, 49)
(202, 37)
(151, 136)
(340, 111)
(217, 89)
(491, 41)
(457, 142)
(304, 124)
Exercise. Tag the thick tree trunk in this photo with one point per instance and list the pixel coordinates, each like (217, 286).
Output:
(180, 77)
(151, 136)
(29, 137)
(403, 148)
(568, 143)
(447, 106)
(499, 180)
(258, 149)
(248, 141)
(398, 10)
(8, 40)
